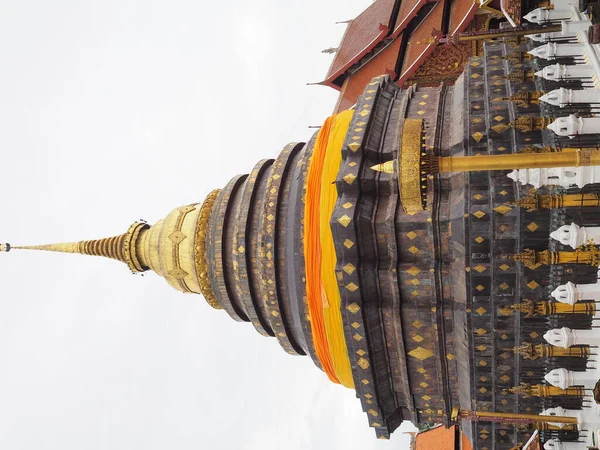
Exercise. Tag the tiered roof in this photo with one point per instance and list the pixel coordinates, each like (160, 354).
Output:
(395, 38)
(362, 35)
(442, 438)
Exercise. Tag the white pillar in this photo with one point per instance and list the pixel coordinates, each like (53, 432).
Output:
(572, 125)
(561, 5)
(572, 27)
(542, 15)
(554, 444)
(552, 50)
(561, 412)
(575, 236)
(559, 72)
(557, 176)
(569, 30)
(563, 97)
(563, 378)
(565, 337)
(571, 293)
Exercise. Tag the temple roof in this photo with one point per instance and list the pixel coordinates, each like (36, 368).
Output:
(383, 63)
(419, 45)
(408, 10)
(362, 35)
(441, 438)
(393, 38)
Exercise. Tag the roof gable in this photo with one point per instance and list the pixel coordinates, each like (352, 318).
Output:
(362, 35)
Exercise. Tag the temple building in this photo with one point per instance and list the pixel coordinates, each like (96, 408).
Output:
(402, 39)
(433, 248)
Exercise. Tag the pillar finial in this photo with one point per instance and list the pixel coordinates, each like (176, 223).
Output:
(121, 248)
(386, 167)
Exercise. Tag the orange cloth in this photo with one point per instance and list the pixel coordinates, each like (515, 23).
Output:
(321, 285)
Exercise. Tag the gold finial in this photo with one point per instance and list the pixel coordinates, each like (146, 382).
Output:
(386, 167)
(529, 258)
(122, 247)
(526, 124)
(5, 247)
(527, 307)
(527, 351)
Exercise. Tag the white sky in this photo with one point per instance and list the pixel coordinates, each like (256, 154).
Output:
(117, 110)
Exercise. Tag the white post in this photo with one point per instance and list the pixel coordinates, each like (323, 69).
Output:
(563, 97)
(561, 412)
(571, 293)
(543, 15)
(575, 236)
(572, 27)
(557, 176)
(554, 444)
(569, 30)
(566, 337)
(559, 72)
(572, 125)
(562, 5)
(563, 378)
(552, 50)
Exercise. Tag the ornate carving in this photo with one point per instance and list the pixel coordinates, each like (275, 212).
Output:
(527, 351)
(552, 201)
(532, 259)
(523, 98)
(540, 390)
(412, 180)
(445, 64)
(534, 149)
(200, 253)
(526, 124)
(520, 76)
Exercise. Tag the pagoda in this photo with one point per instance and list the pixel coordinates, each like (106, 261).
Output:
(433, 248)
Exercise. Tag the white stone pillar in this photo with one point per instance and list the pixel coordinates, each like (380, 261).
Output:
(565, 337)
(571, 293)
(559, 72)
(572, 125)
(569, 30)
(554, 444)
(562, 97)
(552, 50)
(565, 5)
(575, 236)
(563, 378)
(543, 15)
(572, 27)
(557, 176)
(561, 412)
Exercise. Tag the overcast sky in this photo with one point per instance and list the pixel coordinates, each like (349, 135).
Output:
(117, 110)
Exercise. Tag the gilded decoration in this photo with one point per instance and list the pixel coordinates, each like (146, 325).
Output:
(411, 194)
(445, 64)
(447, 61)
(200, 251)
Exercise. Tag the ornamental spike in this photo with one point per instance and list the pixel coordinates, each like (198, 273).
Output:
(386, 167)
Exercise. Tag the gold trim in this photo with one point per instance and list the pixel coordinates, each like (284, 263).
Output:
(410, 166)
(200, 254)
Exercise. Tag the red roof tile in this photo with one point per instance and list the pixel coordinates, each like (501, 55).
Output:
(383, 63)
(418, 47)
(408, 10)
(362, 35)
(440, 438)
(461, 14)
